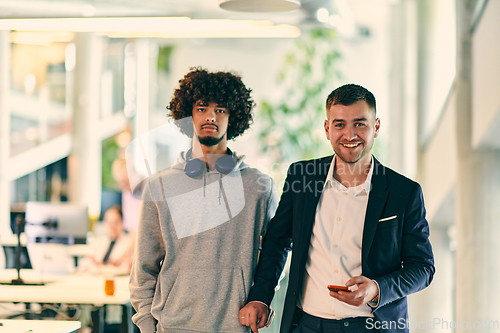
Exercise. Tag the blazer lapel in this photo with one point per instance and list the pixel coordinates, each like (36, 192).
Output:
(376, 202)
(312, 193)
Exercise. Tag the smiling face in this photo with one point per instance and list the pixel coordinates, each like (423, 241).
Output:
(210, 122)
(351, 131)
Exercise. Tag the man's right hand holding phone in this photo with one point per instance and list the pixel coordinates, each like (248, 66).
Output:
(365, 290)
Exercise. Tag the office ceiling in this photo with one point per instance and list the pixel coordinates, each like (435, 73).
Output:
(198, 9)
(360, 13)
(79, 8)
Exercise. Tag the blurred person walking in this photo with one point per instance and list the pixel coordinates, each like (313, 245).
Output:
(110, 251)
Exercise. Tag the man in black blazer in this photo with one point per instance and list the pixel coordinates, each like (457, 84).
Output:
(352, 222)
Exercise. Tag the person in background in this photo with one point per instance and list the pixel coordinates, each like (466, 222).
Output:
(130, 203)
(112, 250)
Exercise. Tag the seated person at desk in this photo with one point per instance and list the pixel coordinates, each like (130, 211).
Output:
(110, 251)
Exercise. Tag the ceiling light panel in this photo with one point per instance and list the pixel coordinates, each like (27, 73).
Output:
(157, 27)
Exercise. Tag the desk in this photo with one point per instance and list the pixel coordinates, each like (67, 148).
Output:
(29, 276)
(70, 289)
(76, 289)
(38, 326)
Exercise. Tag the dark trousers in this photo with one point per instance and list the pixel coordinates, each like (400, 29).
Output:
(312, 324)
(113, 328)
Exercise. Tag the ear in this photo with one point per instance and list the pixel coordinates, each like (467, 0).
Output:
(377, 127)
(327, 129)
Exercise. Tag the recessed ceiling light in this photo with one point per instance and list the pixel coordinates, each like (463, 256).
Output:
(259, 5)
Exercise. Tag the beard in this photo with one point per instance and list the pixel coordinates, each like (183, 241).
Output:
(210, 141)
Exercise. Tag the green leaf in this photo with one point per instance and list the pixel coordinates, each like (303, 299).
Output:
(307, 74)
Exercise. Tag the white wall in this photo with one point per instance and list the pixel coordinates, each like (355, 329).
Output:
(486, 71)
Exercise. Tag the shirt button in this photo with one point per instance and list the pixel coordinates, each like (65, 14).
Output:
(336, 271)
(339, 219)
(345, 193)
(335, 246)
(346, 323)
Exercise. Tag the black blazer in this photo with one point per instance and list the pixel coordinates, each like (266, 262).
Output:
(396, 252)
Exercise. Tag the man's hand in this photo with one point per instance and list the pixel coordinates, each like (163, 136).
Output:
(367, 290)
(254, 314)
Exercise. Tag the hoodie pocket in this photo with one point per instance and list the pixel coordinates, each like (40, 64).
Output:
(205, 300)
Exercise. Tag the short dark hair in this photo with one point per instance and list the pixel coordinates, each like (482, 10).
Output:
(118, 209)
(224, 88)
(349, 94)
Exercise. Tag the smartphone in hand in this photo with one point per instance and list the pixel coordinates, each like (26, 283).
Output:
(337, 288)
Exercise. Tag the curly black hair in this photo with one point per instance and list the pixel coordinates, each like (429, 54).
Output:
(223, 88)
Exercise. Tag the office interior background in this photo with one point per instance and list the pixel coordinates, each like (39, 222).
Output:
(74, 93)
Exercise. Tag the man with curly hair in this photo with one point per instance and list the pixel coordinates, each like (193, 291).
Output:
(201, 220)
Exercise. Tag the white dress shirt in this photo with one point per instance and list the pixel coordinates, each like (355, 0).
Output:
(97, 251)
(335, 250)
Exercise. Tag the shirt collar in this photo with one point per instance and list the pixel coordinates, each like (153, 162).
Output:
(365, 187)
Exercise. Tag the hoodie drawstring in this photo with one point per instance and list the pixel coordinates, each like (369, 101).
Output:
(220, 186)
(220, 176)
(204, 183)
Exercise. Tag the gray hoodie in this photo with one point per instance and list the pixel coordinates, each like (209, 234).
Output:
(197, 248)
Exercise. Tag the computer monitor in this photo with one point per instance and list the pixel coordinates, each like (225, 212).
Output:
(63, 222)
